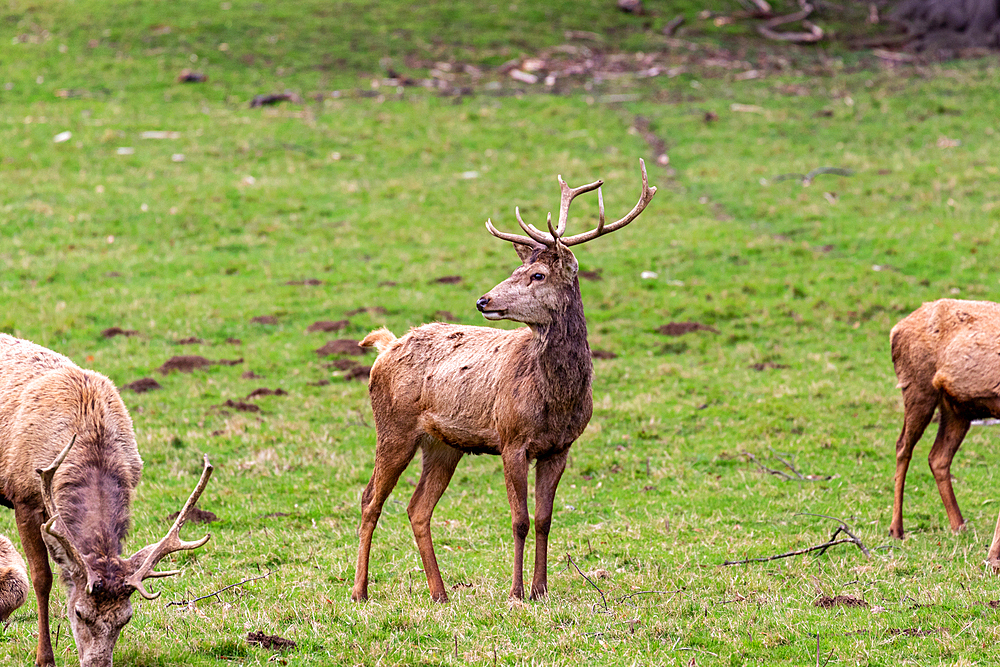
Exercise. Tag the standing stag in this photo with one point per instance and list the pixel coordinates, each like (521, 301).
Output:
(68, 467)
(523, 394)
(947, 357)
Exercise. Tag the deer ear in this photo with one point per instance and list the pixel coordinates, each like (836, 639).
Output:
(567, 259)
(524, 252)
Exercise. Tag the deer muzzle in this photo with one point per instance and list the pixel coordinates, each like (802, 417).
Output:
(483, 306)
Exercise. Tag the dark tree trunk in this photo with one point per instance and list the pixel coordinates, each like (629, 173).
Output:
(951, 25)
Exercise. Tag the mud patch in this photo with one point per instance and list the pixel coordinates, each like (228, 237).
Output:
(264, 391)
(196, 515)
(234, 341)
(142, 385)
(319, 383)
(264, 319)
(590, 275)
(448, 280)
(118, 331)
(192, 340)
(603, 354)
(358, 373)
(827, 602)
(767, 365)
(240, 406)
(328, 326)
(273, 642)
(184, 364)
(307, 281)
(371, 310)
(681, 328)
(250, 375)
(341, 346)
(443, 316)
(343, 364)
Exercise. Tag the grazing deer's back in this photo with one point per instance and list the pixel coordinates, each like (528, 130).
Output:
(44, 400)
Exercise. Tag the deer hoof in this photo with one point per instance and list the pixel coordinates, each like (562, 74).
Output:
(993, 565)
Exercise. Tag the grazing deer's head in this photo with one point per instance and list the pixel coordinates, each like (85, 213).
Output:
(100, 584)
(545, 283)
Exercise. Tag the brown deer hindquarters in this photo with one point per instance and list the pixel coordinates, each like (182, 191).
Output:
(523, 394)
(947, 356)
(69, 465)
(13, 579)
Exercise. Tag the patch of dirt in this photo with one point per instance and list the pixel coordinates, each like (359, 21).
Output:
(328, 326)
(994, 604)
(443, 316)
(230, 362)
(196, 515)
(274, 98)
(240, 406)
(681, 328)
(307, 281)
(319, 383)
(914, 632)
(184, 364)
(358, 373)
(590, 275)
(264, 391)
(341, 346)
(192, 340)
(371, 310)
(273, 642)
(448, 280)
(264, 319)
(343, 364)
(234, 341)
(766, 365)
(118, 331)
(250, 375)
(603, 354)
(142, 385)
(827, 602)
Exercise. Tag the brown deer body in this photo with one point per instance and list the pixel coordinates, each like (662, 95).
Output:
(524, 395)
(947, 356)
(68, 467)
(14, 583)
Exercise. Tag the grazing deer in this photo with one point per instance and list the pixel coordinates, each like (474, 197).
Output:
(947, 357)
(72, 502)
(13, 579)
(523, 394)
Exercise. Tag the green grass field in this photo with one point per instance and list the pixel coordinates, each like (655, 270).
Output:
(376, 192)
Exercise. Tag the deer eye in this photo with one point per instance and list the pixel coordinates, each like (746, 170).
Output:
(538, 276)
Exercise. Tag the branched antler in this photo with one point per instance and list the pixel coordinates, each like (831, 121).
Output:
(146, 558)
(536, 238)
(47, 475)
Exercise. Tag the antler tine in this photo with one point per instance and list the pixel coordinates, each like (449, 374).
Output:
(47, 475)
(538, 236)
(644, 198)
(513, 238)
(568, 194)
(170, 543)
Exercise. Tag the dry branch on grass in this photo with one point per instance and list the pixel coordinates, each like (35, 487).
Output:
(795, 475)
(184, 603)
(833, 541)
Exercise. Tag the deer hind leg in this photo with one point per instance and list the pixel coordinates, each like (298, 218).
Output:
(392, 455)
(29, 523)
(993, 555)
(918, 408)
(439, 462)
(950, 434)
(547, 475)
(515, 476)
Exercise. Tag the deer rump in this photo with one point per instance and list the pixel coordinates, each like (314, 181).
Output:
(443, 380)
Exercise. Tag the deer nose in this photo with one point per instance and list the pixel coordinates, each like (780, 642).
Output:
(482, 303)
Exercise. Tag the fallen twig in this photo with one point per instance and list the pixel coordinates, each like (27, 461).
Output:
(221, 590)
(796, 476)
(604, 600)
(832, 542)
(814, 34)
(632, 595)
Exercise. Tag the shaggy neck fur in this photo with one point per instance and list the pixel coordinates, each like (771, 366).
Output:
(563, 353)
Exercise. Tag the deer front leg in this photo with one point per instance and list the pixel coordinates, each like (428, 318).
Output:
(918, 411)
(547, 475)
(439, 462)
(950, 434)
(515, 475)
(29, 524)
(390, 462)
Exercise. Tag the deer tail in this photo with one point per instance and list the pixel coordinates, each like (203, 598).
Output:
(379, 339)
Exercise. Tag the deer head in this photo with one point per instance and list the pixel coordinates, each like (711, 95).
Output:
(99, 586)
(538, 290)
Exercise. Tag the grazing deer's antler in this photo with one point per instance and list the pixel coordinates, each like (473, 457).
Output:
(146, 559)
(47, 475)
(539, 238)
